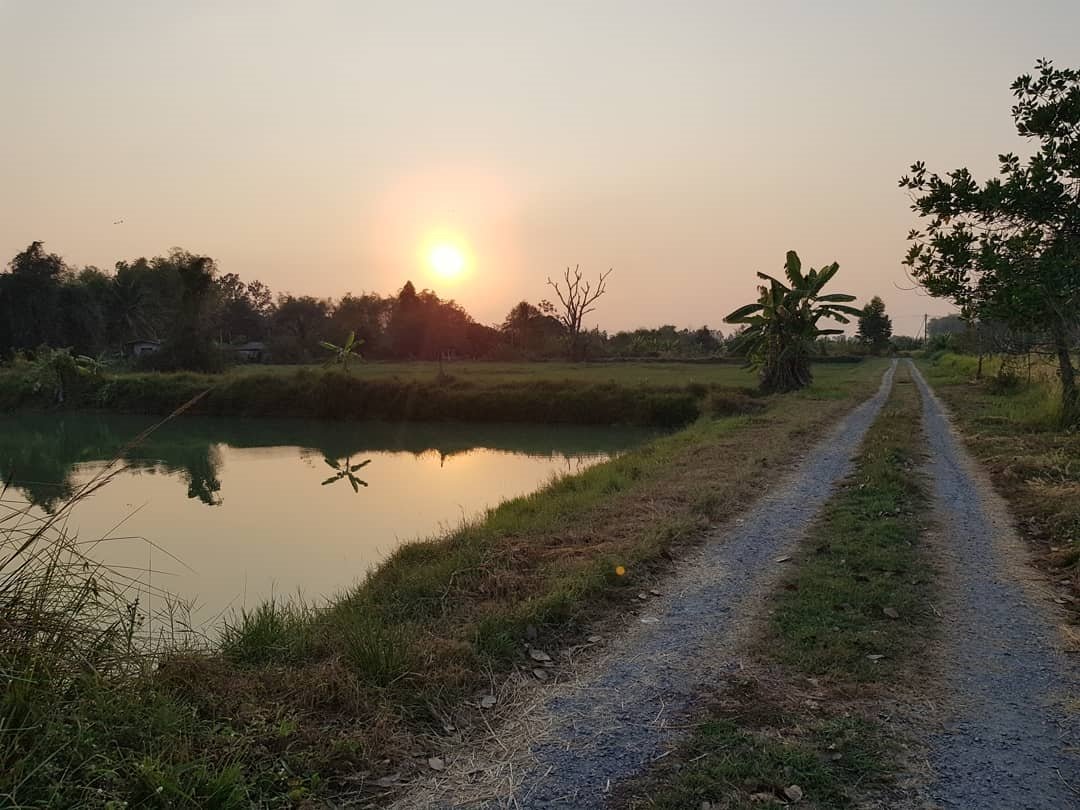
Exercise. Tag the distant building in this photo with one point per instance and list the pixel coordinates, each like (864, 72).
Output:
(254, 351)
(141, 348)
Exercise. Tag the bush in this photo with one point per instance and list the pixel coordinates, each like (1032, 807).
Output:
(334, 394)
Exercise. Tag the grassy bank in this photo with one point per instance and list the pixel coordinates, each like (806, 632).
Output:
(338, 701)
(845, 626)
(647, 394)
(1013, 429)
(673, 399)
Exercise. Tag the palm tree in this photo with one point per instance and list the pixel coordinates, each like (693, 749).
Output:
(782, 325)
(343, 353)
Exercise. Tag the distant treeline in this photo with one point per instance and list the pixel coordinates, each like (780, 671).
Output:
(180, 301)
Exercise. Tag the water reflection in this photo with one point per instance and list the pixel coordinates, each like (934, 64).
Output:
(40, 452)
(247, 506)
(345, 470)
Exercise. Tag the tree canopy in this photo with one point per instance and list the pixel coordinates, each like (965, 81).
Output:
(1008, 249)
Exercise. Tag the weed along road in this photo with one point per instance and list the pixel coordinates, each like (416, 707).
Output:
(625, 730)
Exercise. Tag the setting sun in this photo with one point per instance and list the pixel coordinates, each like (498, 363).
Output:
(446, 260)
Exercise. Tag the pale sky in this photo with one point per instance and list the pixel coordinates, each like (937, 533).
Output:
(321, 146)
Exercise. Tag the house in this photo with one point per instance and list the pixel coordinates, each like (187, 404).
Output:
(141, 348)
(254, 351)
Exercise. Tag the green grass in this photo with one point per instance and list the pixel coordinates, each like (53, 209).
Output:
(655, 394)
(737, 769)
(1011, 403)
(861, 557)
(298, 697)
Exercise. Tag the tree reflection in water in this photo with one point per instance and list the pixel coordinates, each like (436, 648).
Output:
(41, 453)
(345, 469)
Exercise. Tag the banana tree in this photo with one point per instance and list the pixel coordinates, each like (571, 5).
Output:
(782, 326)
(341, 354)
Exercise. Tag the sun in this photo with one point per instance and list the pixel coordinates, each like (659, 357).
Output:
(447, 260)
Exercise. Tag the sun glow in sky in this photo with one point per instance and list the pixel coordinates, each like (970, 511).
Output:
(447, 261)
(315, 146)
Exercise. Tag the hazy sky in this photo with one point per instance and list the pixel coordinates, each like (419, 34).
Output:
(319, 146)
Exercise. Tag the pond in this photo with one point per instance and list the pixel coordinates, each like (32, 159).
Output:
(226, 513)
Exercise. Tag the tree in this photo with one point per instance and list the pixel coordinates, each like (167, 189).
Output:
(875, 327)
(529, 329)
(706, 342)
(781, 328)
(366, 316)
(298, 324)
(1009, 249)
(576, 300)
(29, 298)
(189, 345)
(238, 316)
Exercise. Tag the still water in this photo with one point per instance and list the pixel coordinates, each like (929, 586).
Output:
(225, 513)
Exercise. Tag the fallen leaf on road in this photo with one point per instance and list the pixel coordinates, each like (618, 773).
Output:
(793, 792)
(891, 612)
(436, 764)
(785, 558)
(874, 658)
(538, 655)
(540, 674)
(487, 701)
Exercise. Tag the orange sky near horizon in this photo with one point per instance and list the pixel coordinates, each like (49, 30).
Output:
(326, 147)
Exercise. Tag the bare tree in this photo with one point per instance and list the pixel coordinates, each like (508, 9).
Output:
(576, 301)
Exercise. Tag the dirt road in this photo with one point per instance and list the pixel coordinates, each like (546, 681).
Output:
(1007, 735)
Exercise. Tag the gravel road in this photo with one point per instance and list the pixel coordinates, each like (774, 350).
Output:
(1006, 738)
(625, 713)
